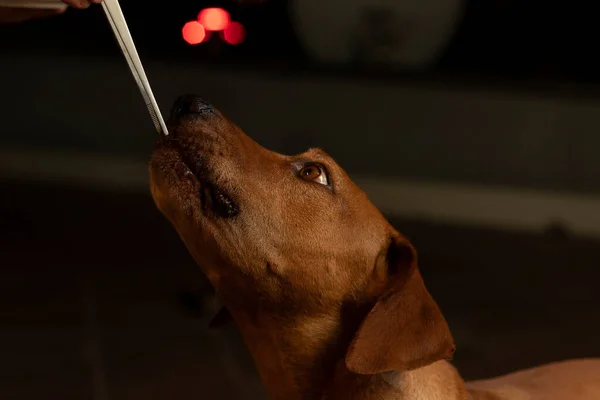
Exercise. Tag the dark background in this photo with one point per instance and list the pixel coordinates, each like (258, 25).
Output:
(100, 300)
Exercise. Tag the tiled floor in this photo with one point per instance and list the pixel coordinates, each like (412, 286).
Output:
(91, 301)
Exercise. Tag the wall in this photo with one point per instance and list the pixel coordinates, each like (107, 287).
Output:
(397, 132)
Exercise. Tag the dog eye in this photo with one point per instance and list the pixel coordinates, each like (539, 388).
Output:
(315, 173)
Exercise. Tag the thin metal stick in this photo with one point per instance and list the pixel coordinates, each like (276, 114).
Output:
(115, 17)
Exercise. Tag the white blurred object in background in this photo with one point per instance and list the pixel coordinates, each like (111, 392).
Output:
(46, 4)
(401, 33)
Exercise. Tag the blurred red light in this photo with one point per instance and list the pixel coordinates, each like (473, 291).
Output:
(235, 33)
(193, 32)
(214, 19)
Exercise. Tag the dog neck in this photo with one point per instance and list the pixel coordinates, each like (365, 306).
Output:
(303, 358)
(296, 357)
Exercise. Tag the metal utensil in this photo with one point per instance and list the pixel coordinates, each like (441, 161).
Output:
(115, 16)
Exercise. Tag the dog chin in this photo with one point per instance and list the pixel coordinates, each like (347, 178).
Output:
(173, 186)
(194, 192)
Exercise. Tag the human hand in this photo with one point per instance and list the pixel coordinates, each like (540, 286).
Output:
(81, 4)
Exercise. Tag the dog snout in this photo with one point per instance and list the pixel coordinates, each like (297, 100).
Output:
(190, 104)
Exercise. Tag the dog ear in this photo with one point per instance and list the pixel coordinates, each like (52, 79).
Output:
(405, 329)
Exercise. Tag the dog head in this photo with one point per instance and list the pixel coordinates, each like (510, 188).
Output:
(293, 235)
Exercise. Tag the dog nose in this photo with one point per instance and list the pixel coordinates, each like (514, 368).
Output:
(190, 104)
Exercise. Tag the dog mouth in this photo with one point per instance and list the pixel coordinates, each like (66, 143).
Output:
(217, 201)
(214, 200)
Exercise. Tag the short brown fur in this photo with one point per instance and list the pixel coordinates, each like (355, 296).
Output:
(326, 293)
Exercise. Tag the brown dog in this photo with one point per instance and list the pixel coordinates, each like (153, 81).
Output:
(327, 295)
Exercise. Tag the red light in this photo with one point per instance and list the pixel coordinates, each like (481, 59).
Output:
(193, 32)
(235, 33)
(214, 19)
